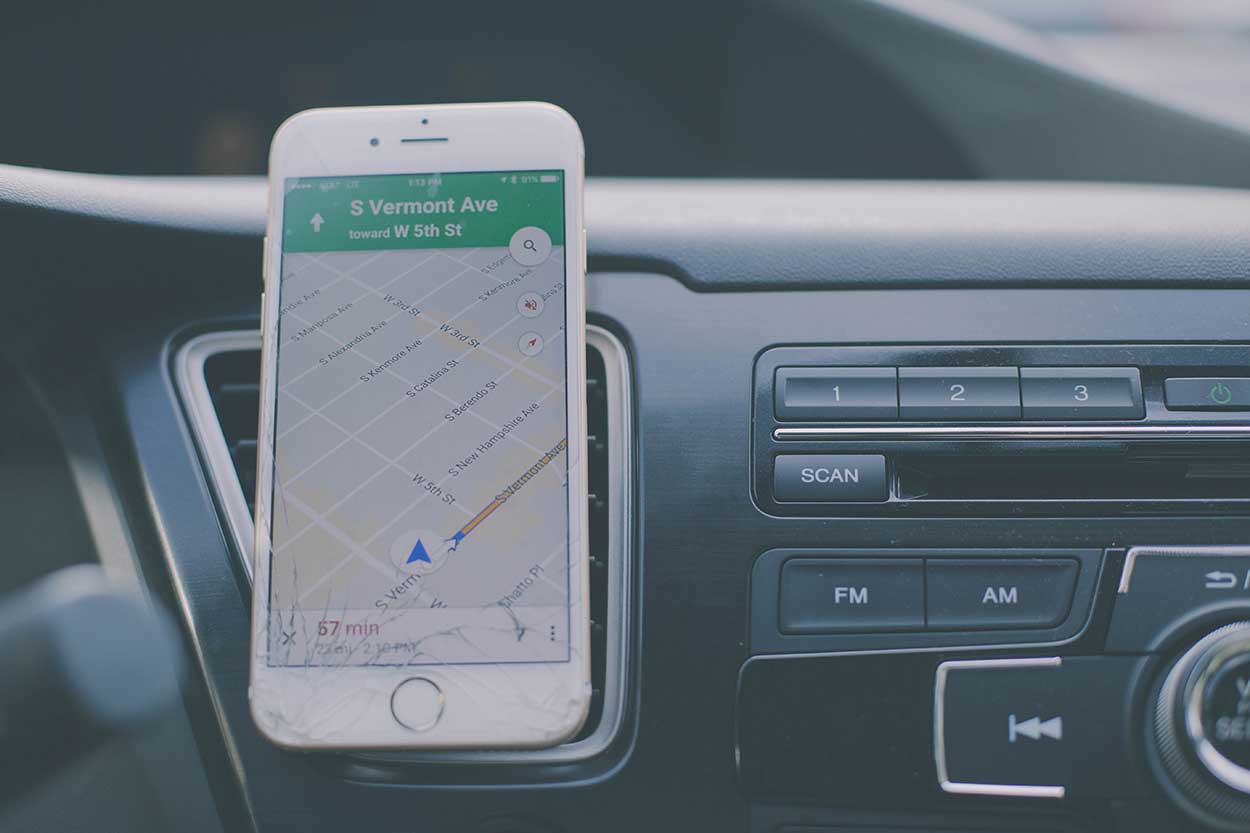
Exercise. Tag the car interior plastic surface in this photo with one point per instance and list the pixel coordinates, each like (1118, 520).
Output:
(919, 505)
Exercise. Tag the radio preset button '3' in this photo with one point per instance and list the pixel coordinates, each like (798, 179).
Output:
(830, 478)
(1081, 393)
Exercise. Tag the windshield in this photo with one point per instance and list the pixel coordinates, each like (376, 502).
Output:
(1194, 55)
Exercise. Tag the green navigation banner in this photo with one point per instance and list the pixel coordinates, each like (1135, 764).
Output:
(420, 211)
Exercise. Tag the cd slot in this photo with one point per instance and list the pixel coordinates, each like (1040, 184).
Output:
(1121, 473)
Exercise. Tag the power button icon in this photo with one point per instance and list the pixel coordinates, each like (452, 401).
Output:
(1220, 393)
(1208, 393)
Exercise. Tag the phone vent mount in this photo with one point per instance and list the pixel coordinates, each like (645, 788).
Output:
(218, 378)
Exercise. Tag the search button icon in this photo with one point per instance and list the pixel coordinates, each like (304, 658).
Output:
(530, 246)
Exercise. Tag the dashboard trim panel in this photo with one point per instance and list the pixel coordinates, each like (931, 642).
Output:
(1028, 432)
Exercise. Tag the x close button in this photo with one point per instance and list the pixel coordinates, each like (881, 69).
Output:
(1035, 728)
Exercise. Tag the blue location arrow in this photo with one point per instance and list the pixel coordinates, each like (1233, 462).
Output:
(418, 554)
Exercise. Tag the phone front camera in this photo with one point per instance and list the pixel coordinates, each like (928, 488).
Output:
(425, 121)
(374, 141)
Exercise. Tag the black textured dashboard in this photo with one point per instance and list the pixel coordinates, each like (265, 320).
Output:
(750, 677)
(742, 235)
(961, 609)
(876, 265)
(697, 526)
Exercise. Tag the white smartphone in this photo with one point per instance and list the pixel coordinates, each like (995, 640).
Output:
(421, 566)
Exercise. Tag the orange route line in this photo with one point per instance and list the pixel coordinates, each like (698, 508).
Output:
(481, 516)
(503, 496)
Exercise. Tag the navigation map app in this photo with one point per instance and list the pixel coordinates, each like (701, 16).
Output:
(419, 507)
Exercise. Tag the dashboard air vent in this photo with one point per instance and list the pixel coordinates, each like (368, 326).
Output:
(219, 378)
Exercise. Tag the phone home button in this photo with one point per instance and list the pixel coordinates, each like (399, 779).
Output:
(417, 704)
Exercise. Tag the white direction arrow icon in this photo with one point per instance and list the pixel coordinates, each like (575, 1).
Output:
(1034, 728)
(316, 222)
(1219, 580)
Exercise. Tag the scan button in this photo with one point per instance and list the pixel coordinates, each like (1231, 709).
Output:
(830, 478)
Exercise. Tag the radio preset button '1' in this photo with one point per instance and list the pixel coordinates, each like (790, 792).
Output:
(830, 478)
(831, 393)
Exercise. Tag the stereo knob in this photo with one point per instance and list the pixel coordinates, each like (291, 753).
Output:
(1201, 728)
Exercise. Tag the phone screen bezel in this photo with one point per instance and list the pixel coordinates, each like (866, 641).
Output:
(290, 704)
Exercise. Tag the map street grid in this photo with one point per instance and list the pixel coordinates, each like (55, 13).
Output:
(420, 459)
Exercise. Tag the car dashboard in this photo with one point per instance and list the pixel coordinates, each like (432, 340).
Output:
(914, 505)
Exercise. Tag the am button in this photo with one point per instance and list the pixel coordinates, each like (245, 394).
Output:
(979, 593)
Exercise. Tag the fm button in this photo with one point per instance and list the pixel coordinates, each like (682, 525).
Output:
(838, 595)
(830, 478)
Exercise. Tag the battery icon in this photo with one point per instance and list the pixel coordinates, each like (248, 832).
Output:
(549, 178)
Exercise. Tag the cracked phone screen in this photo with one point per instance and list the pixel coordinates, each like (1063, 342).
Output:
(419, 503)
